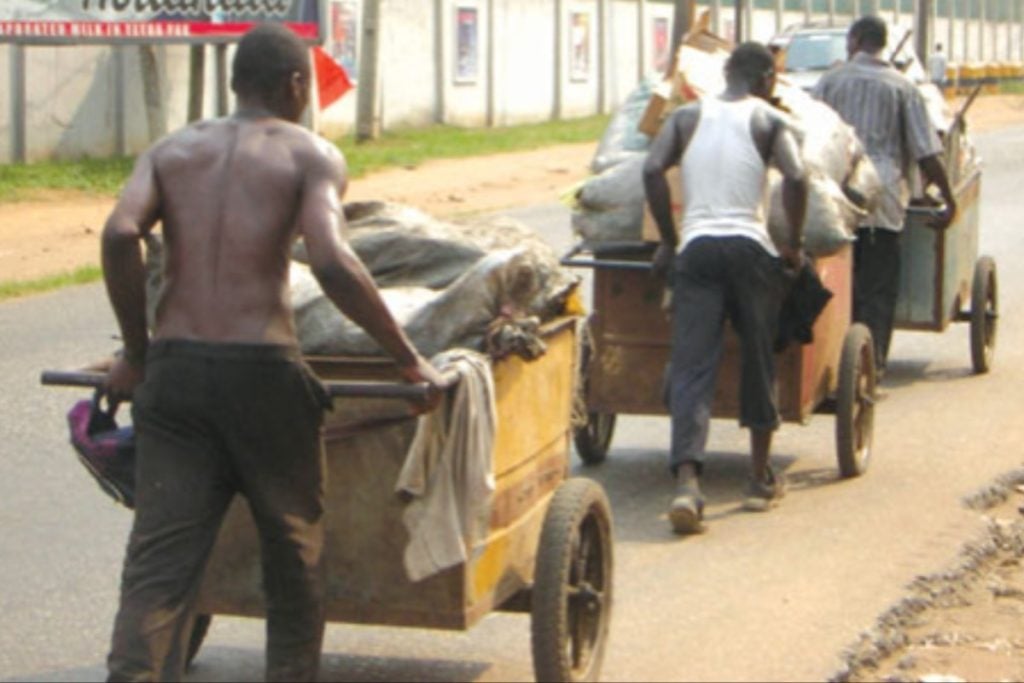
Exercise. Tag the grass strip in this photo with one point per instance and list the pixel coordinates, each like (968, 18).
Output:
(402, 148)
(79, 276)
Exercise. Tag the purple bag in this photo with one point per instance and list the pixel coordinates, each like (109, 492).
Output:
(106, 451)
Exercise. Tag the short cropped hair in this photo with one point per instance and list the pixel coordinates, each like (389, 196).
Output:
(266, 57)
(750, 61)
(870, 31)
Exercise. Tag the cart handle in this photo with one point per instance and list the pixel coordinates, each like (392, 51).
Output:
(572, 259)
(335, 388)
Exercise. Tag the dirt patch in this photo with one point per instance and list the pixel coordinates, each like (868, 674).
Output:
(964, 624)
(56, 232)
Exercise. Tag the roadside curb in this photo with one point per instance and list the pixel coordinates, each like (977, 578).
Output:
(1002, 538)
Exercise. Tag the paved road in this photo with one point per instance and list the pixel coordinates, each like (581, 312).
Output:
(759, 597)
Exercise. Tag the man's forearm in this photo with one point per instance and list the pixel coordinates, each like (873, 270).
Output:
(794, 203)
(659, 199)
(124, 275)
(934, 172)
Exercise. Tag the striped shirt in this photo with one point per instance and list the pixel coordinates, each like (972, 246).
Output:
(889, 115)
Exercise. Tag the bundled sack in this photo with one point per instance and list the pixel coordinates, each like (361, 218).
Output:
(623, 137)
(447, 284)
(608, 207)
(843, 183)
(504, 283)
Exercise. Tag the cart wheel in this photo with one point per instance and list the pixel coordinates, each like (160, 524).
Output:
(200, 625)
(572, 592)
(595, 438)
(984, 314)
(855, 401)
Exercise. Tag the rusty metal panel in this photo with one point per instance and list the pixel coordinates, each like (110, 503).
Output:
(936, 267)
(632, 339)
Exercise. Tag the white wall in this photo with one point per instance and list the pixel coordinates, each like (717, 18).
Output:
(71, 108)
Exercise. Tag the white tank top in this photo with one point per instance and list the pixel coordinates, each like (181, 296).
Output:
(724, 176)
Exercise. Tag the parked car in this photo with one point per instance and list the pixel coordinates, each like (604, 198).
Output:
(807, 52)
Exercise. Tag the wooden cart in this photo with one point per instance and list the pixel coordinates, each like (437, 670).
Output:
(625, 368)
(548, 551)
(942, 278)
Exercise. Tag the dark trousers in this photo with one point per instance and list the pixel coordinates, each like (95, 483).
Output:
(213, 420)
(715, 279)
(876, 285)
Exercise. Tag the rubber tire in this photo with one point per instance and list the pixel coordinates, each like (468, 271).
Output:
(855, 402)
(579, 510)
(594, 439)
(984, 314)
(200, 625)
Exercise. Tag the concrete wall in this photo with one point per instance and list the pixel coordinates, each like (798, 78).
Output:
(523, 71)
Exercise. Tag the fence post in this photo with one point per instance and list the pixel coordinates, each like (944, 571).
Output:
(196, 71)
(602, 56)
(368, 91)
(221, 62)
(440, 103)
(981, 30)
(492, 70)
(17, 103)
(120, 132)
(556, 100)
(950, 33)
(641, 40)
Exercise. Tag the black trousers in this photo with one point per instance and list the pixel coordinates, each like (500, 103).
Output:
(716, 278)
(876, 285)
(213, 420)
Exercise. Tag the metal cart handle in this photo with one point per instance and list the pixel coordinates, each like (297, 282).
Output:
(335, 388)
(572, 259)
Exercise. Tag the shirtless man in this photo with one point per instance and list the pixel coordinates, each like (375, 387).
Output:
(222, 402)
(725, 265)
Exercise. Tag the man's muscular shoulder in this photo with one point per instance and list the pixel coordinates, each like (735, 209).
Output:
(685, 118)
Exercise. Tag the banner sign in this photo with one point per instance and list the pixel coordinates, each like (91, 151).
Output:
(152, 21)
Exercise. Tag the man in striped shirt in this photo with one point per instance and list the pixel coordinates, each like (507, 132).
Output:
(889, 115)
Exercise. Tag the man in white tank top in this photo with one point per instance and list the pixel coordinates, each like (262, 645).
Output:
(725, 265)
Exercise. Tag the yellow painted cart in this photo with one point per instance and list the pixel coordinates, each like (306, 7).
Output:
(548, 551)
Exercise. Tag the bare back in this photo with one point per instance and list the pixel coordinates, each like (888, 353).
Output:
(230, 194)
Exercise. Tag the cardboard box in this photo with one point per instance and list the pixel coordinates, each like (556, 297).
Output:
(649, 230)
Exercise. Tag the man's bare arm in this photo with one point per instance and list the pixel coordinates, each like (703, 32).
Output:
(935, 172)
(786, 157)
(343, 277)
(665, 151)
(134, 215)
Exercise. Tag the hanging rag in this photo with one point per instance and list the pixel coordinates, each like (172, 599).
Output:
(448, 475)
(805, 301)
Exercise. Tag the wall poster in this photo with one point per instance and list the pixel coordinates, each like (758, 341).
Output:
(579, 46)
(467, 44)
(659, 44)
(149, 21)
(343, 41)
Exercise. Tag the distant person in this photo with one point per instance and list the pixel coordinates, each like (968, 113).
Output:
(725, 265)
(222, 401)
(889, 114)
(937, 64)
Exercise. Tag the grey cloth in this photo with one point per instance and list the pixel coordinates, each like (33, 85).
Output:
(891, 119)
(448, 475)
(717, 279)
